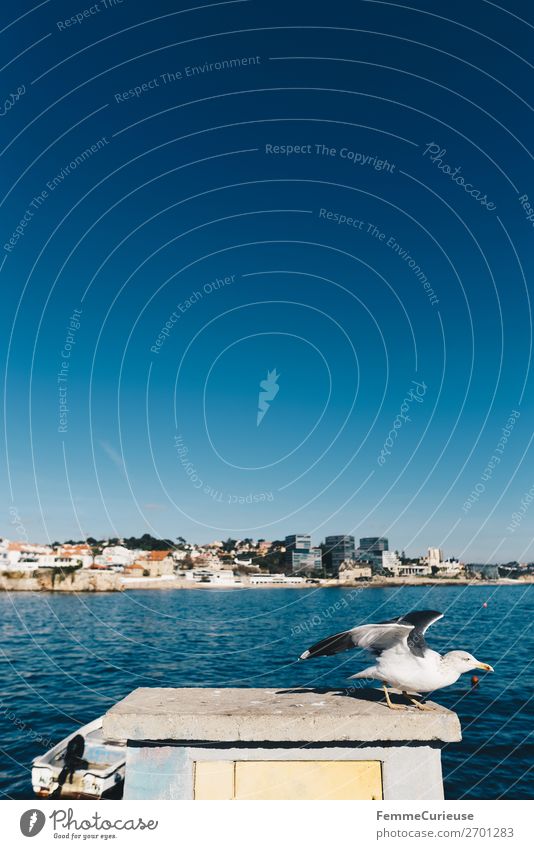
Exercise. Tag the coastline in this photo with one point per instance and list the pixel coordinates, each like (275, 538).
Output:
(134, 584)
(113, 582)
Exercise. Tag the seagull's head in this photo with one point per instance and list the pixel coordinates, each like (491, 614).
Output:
(462, 661)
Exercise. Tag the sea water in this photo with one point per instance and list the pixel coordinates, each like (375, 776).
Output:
(65, 659)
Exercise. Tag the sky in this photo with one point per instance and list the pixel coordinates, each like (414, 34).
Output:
(322, 212)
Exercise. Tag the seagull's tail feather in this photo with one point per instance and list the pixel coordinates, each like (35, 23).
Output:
(370, 672)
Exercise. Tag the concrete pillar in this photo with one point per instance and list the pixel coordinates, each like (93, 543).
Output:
(264, 743)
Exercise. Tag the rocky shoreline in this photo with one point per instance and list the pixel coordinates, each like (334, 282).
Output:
(54, 580)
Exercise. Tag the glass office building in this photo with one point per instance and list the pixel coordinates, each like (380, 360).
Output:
(371, 549)
(336, 550)
(301, 558)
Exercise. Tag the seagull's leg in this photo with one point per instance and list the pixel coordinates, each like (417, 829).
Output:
(389, 702)
(419, 705)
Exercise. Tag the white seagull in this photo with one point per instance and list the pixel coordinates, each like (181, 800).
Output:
(404, 660)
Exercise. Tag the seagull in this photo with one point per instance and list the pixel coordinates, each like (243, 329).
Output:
(404, 660)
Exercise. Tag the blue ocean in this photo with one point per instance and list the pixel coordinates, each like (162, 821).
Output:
(65, 659)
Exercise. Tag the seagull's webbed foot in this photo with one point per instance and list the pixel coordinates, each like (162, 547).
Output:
(419, 705)
(422, 705)
(390, 703)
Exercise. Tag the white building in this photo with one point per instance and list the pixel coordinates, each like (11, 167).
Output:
(35, 555)
(27, 555)
(81, 553)
(246, 564)
(262, 580)
(449, 569)
(435, 556)
(6, 558)
(391, 562)
(117, 555)
(220, 577)
(9, 556)
(414, 569)
(31, 547)
(443, 568)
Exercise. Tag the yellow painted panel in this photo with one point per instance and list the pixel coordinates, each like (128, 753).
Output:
(214, 779)
(308, 780)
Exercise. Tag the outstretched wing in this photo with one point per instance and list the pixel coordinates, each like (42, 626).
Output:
(375, 638)
(420, 620)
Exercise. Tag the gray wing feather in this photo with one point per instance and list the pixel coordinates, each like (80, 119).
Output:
(421, 620)
(377, 638)
(374, 638)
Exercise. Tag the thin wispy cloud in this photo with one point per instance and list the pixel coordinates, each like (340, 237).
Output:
(114, 456)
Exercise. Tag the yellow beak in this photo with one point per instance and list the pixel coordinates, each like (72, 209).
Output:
(485, 666)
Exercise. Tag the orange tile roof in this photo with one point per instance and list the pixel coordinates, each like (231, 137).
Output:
(158, 555)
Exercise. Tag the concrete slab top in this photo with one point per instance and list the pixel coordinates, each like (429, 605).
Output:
(273, 715)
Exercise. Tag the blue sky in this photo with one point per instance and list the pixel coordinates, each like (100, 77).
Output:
(188, 217)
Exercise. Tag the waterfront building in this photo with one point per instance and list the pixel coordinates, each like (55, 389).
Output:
(443, 568)
(354, 570)
(30, 548)
(391, 562)
(77, 552)
(219, 578)
(25, 555)
(373, 545)
(156, 563)
(52, 561)
(392, 565)
(371, 549)
(300, 557)
(116, 555)
(409, 570)
(435, 556)
(269, 580)
(9, 556)
(448, 569)
(135, 570)
(336, 550)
